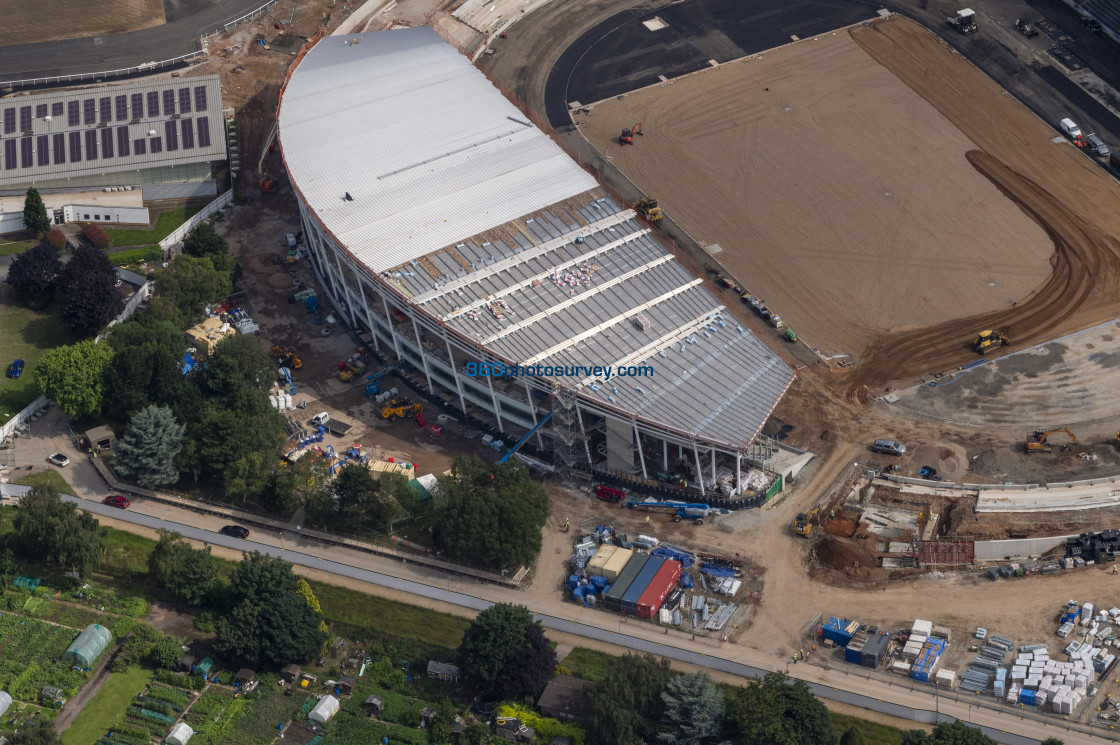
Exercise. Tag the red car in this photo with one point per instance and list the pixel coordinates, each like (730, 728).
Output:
(609, 494)
(116, 500)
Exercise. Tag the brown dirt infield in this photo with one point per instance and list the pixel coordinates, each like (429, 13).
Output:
(884, 196)
(31, 22)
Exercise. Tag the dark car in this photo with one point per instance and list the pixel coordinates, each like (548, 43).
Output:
(116, 500)
(235, 531)
(15, 369)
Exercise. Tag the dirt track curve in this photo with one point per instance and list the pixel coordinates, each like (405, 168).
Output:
(1073, 200)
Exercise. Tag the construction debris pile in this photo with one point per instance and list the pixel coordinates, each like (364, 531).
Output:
(646, 579)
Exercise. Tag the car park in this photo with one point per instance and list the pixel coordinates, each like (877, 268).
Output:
(235, 531)
(58, 459)
(116, 500)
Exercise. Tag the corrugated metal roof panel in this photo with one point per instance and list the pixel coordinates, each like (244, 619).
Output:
(443, 155)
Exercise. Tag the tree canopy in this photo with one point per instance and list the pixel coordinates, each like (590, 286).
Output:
(693, 710)
(270, 623)
(35, 213)
(34, 272)
(853, 736)
(56, 532)
(493, 515)
(776, 709)
(625, 707)
(203, 242)
(92, 303)
(186, 287)
(504, 649)
(188, 573)
(147, 369)
(74, 376)
(37, 732)
(149, 447)
(955, 733)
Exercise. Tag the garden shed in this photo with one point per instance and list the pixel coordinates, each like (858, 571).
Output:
(179, 734)
(246, 680)
(101, 438)
(89, 645)
(203, 668)
(443, 671)
(5, 701)
(427, 717)
(324, 710)
(186, 662)
(563, 697)
(374, 705)
(290, 673)
(50, 695)
(346, 684)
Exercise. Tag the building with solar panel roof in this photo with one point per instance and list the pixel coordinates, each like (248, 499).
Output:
(459, 235)
(161, 138)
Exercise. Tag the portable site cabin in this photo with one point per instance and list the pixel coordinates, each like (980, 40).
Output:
(324, 710)
(179, 734)
(101, 438)
(89, 645)
(5, 701)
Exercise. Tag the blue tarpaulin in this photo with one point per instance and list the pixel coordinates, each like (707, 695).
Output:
(717, 571)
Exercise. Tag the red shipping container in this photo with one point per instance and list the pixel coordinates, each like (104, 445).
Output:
(650, 601)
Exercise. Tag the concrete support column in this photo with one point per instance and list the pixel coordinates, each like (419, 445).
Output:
(392, 328)
(738, 473)
(699, 468)
(641, 455)
(423, 356)
(497, 408)
(533, 411)
(455, 374)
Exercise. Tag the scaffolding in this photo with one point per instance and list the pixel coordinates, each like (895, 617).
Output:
(569, 440)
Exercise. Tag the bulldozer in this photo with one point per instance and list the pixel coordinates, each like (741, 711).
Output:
(395, 408)
(804, 523)
(1036, 441)
(649, 208)
(627, 136)
(989, 340)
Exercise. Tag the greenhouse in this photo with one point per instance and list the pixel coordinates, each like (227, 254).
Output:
(89, 645)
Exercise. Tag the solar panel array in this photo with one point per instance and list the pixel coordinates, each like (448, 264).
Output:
(32, 140)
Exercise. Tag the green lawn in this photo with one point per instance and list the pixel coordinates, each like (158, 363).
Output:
(587, 663)
(166, 223)
(873, 732)
(106, 706)
(51, 478)
(14, 247)
(389, 617)
(25, 334)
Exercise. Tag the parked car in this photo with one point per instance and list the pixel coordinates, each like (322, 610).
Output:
(116, 500)
(235, 531)
(58, 459)
(889, 447)
(15, 369)
(1096, 144)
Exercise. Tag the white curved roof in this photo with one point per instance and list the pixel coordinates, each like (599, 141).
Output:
(428, 148)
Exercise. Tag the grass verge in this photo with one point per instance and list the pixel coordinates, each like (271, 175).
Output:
(7, 248)
(380, 615)
(873, 732)
(165, 224)
(106, 706)
(588, 664)
(51, 478)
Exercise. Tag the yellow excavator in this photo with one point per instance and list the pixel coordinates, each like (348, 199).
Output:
(1036, 441)
(649, 208)
(804, 523)
(988, 341)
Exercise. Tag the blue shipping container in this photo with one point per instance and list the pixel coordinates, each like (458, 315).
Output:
(853, 655)
(834, 629)
(639, 585)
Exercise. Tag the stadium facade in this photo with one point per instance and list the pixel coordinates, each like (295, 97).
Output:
(467, 242)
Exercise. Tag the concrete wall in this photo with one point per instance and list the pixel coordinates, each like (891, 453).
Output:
(1019, 548)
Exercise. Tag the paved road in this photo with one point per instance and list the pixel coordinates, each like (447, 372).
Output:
(187, 22)
(840, 687)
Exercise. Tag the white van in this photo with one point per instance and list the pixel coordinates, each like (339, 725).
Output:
(1069, 129)
(321, 418)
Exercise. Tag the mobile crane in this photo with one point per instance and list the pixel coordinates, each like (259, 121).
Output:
(693, 510)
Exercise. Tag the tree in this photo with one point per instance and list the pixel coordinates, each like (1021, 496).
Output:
(480, 496)
(165, 653)
(775, 709)
(956, 733)
(9, 569)
(625, 707)
(95, 235)
(34, 272)
(37, 732)
(693, 710)
(489, 641)
(91, 303)
(85, 262)
(1052, 741)
(57, 239)
(204, 242)
(147, 369)
(271, 624)
(149, 448)
(529, 667)
(188, 573)
(35, 213)
(54, 531)
(73, 376)
(186, 287)
(241, 373)
(854, 736)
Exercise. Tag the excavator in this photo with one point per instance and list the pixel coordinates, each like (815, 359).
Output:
(627, 136)
(649, 208)
(989, 340)
(804, 523)
(1036, 441)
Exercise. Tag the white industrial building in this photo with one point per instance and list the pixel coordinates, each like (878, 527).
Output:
(457, 233)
